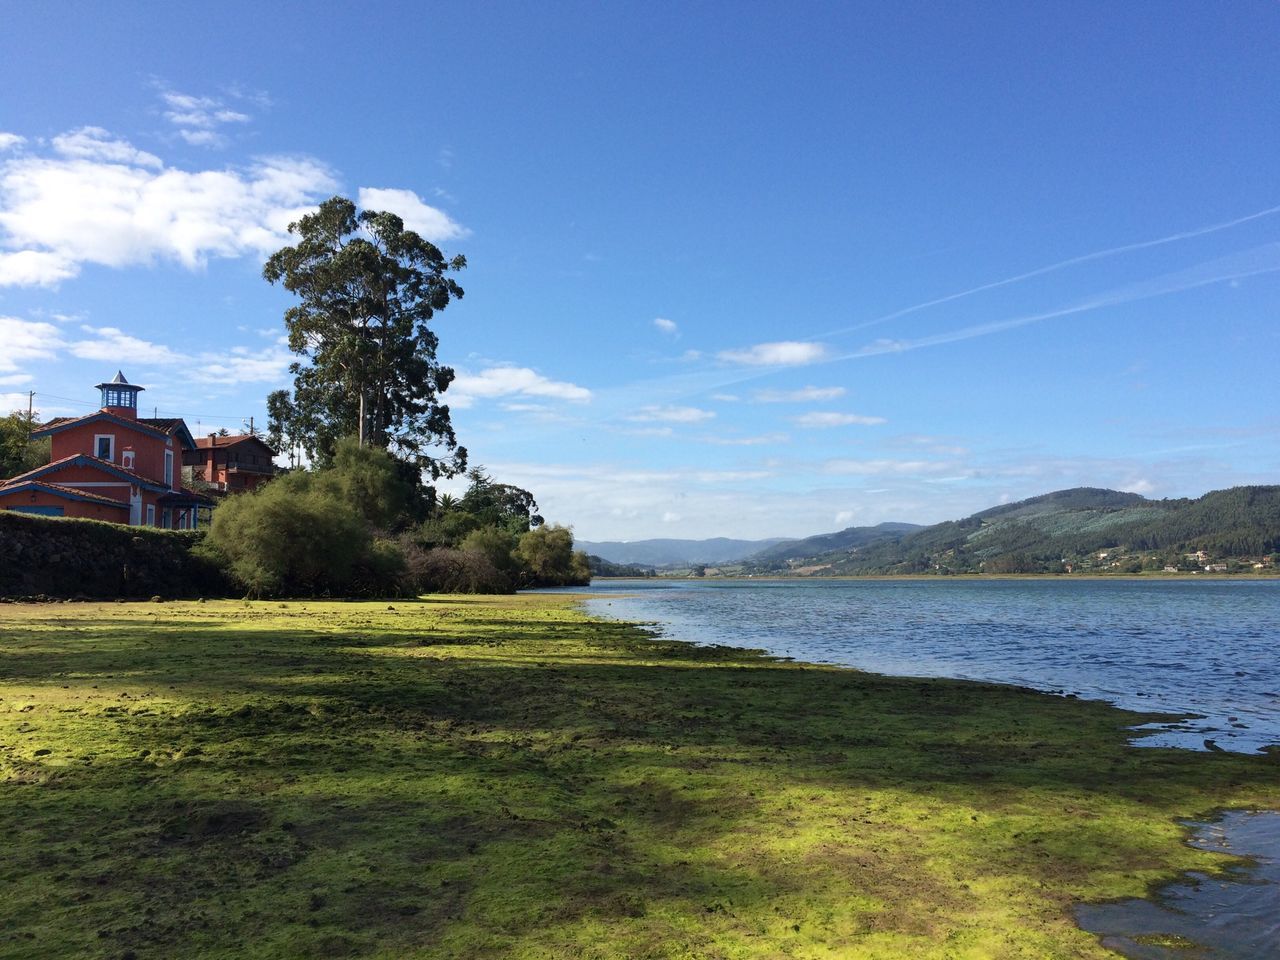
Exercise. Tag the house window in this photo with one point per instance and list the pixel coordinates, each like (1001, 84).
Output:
(168, 468)
(104, 446)
(126, 459)
(166, 518)
(151, 514)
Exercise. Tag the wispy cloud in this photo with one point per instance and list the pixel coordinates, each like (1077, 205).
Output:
(760, 440)
(803, 395)
(427, 221)
(198, 119)
(783, 353)
(825, 419)
(880, 466)
(509, 381)
(10, 140)
(670, 414)
(669, 327)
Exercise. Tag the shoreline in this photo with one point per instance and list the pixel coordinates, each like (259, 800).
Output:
(1174, 713)
(946, 578)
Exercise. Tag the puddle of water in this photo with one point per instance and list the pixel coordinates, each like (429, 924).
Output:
(1201, 917)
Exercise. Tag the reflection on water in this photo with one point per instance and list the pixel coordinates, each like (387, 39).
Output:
(1190, 647)
(1226, 918)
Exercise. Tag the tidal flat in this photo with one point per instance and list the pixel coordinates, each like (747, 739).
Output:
(472, 777)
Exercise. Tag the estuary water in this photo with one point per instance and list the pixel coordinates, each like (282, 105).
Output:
(1208, 648)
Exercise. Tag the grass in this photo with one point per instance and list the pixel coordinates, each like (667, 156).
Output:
(502, 777)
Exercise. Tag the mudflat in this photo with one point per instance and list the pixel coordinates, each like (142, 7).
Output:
(503, 776)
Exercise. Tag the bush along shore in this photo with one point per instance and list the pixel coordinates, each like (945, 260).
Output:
(501, 776)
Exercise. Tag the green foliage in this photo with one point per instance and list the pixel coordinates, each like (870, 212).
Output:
(291, 537)
(371, 480)
(312, 533)
(497, 545)
(549, 560)
(18, 452)
(366, 290)
(494, 504)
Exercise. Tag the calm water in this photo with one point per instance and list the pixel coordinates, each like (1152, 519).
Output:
(1236, 917)
(1208, 647)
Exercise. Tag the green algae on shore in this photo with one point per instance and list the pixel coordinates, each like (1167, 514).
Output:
(482, 777)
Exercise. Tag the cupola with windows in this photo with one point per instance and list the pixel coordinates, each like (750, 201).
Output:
(120, 397)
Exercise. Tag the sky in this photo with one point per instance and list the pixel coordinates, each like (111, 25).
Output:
(734, 269)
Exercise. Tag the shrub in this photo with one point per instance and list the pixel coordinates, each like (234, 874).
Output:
(446, 570)
(292, 537)
(548, 558)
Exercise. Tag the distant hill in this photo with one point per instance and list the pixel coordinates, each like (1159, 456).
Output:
(675, 553)
(847, 540)
(601, 567)
(1054, 532)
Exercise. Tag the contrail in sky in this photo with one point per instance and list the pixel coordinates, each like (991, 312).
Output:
(1249, 263)
(1060, 265)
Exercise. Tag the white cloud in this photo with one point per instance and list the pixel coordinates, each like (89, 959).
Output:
(656, 432)
(670, 414)
(877, 467)
(94, 143)
(803, 395)
(670, 517)
(427, 221)
(113, 345)
(10, 402)
(505, 381)
(35, 268)
(756, 441)
(102, 201)
(27, 340)
(726, 397)
(823, 419)
(243, 365)
(668, 327)
(10, 140)
(197, 118)
(784, 353)
(15, 379)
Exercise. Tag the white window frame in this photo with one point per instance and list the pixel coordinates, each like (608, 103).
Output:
(126, 459)
(168, 469)
(151, 515)
(111, 446)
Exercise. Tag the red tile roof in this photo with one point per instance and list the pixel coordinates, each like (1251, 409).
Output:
(92, 461)
(59, 489)
(213, 440)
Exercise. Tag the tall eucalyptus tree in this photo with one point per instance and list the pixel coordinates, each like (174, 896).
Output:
(367, 289)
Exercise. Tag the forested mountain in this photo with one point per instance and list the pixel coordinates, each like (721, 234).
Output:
(1066, 530)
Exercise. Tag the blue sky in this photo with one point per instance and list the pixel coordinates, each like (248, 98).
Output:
(734, 269)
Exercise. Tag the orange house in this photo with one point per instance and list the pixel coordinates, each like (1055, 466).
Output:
(111, 465)
(231, 464)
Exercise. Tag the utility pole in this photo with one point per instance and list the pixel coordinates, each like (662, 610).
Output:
(31, 399)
